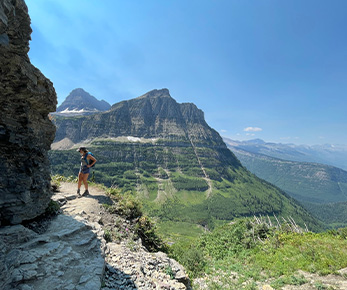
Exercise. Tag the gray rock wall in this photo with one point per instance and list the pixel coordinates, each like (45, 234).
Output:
(26, 133)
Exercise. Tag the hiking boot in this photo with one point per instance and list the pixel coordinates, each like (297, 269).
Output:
(85, 193)
(78, 192)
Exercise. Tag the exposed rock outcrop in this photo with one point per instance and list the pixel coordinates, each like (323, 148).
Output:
(26, 133)
(69, 255)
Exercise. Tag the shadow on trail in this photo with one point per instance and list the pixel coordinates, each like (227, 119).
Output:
(102, 199)
(116, 279)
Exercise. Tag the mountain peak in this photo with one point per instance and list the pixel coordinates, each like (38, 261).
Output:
(156, 94)
(81, 102)
(256, 141)
(78, 91)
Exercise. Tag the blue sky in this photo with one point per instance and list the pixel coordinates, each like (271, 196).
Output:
(269, 69)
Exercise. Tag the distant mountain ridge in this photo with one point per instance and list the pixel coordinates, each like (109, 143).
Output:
(79, 102)
(335, 155)
(305, 181)
(321, 188)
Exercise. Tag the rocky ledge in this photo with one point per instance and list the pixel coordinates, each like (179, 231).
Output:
(135, 268)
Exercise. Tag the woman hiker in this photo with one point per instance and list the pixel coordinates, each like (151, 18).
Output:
(87, 161)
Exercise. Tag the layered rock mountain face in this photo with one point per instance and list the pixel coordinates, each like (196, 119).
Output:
(154, 115)
(26, 133)
(79, 102)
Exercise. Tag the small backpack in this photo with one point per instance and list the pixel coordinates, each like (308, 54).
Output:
(90, 161)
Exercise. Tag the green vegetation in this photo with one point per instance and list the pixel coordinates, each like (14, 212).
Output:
(332, 214)
(57, 179)
(322, 189)
(125, 205)
(52, 208)
(169, 181)
(183, 182)
(146, 230)
(256, 250)
(306, 182)
(179, 231)
(129, 207)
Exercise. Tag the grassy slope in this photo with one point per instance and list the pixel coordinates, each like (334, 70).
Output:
(246, 252)
(172, 185)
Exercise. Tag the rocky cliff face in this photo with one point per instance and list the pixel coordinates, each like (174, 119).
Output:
(26, 98)
(153, 115)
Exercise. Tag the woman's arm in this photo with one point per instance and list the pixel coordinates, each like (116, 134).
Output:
(90, 157)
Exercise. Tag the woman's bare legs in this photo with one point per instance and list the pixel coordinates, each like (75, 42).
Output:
(85, 180)
(83, 177)
(80, 178)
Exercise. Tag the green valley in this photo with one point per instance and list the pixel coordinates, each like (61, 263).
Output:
(322, 189)
(307, 182)
(166, 155)
(182, 183)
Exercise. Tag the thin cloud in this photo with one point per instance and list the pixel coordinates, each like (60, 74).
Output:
(253, 129)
